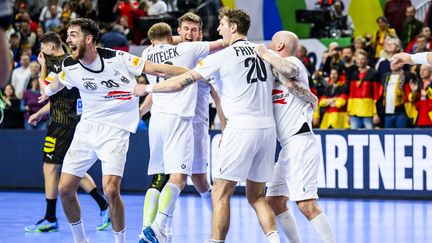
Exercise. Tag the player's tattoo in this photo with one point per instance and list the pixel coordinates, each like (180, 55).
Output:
(299, 90)
(282, 66)
(188, 81)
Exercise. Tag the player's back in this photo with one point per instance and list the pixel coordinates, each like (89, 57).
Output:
(245, 85)
(291, 112)
(185, 55)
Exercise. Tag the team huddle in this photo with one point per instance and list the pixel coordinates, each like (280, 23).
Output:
(262, 95)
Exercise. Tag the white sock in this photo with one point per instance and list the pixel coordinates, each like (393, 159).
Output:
(322, 227)
(151, 203)
(273, 237)
(288, 224)
(217, 241)
(78, 232)
(167, 201)
(206, 196)
(120, 237)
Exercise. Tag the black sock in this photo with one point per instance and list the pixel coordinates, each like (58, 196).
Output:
(99, 198)
(50, 213)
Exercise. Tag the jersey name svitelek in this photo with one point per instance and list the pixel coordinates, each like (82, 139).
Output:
(186, 55)
(245, 84)
(107, 94)
(291, 112)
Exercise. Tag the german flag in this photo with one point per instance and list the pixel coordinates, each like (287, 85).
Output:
(335, 116)
(365, 89)
(420, 108)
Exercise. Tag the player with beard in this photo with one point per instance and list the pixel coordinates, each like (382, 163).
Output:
(65, 109)
(105, 79)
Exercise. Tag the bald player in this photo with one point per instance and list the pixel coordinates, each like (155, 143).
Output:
(296, 171)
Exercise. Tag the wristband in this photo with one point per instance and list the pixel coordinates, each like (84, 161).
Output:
(48, 91)
(149, 88)
(420, 58)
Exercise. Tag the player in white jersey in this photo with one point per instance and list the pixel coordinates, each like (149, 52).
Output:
(105, 79)
(296, 171)
(170, 132)
(248, 147)
(160, 35)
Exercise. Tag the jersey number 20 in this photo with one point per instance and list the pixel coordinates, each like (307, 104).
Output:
(256, 66)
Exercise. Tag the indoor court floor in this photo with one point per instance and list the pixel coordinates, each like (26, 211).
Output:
(353, 220)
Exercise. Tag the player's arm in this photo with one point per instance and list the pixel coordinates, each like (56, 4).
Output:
(219, 110)
(216, 45)
(163, 70)
(418, 58)
(173, 84)
(43, 72)
(299, 90)
(146, 105)
(51, 89)
(281, 65)
(36, 117)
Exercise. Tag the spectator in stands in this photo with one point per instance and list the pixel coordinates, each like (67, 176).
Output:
(67, 11)
(112, 37)
(85, 9)
(26, 35)
(361, 43)
(35, 7)
(317, 85)
(421, 44)
(172, 5)
(39, 32)
(334, 100)
(50, 13)
(365, 89)
(21, 76)
(392, 46)
(30, 105)
(26, 49)
(13, 116)
(156, 7)
(187, 5)
(421, 98)
(301, 54)
(333, 58)
(108, 11)
(394, 11)
(24, 16)
(123, 27)
(380, 35)
(411, 27)
(395, 95)
(425, 32)
(34, 70)
(347, 64)
(342, 22)
(14, 43)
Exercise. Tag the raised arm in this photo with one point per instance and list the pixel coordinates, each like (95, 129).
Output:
(163, 70)
(51, 89)
(279, 64)
(43, 72)
(418, 58)
(219, 110)
(173, 84)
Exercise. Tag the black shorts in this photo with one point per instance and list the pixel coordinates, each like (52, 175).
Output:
(57, 142)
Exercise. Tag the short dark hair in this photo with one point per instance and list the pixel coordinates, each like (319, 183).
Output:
(88, 27)
(238, 17)
(190, 17)
(51, 37)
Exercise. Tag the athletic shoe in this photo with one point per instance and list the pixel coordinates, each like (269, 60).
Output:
(152, 236)
(105, 220)
(43, 225)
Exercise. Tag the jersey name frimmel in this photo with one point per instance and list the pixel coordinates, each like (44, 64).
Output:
(245, 84)
(64, 108)
(291, 112)
(107, 94)
(185, 55)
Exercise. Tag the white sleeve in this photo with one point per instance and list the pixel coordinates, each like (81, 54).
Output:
(202, 49)
(133, 64)
(63, 78)
(208, 66)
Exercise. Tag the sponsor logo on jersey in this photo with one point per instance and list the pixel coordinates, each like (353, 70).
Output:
(278, 97)
(200, 63)
(56, 68)
(136, 61)
(63, 75)
(124, 80)
(119, 95)
(116, 73)
(90, 86)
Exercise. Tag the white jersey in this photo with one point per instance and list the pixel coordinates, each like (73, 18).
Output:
(186, 55)
(245, 83)
(291, 112)
(107, 94)
(203, 101)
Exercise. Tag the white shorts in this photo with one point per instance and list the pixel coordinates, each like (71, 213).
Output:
(246, 154)
(201, 144)
(171, 144)
(94, 141)
(296, 171)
